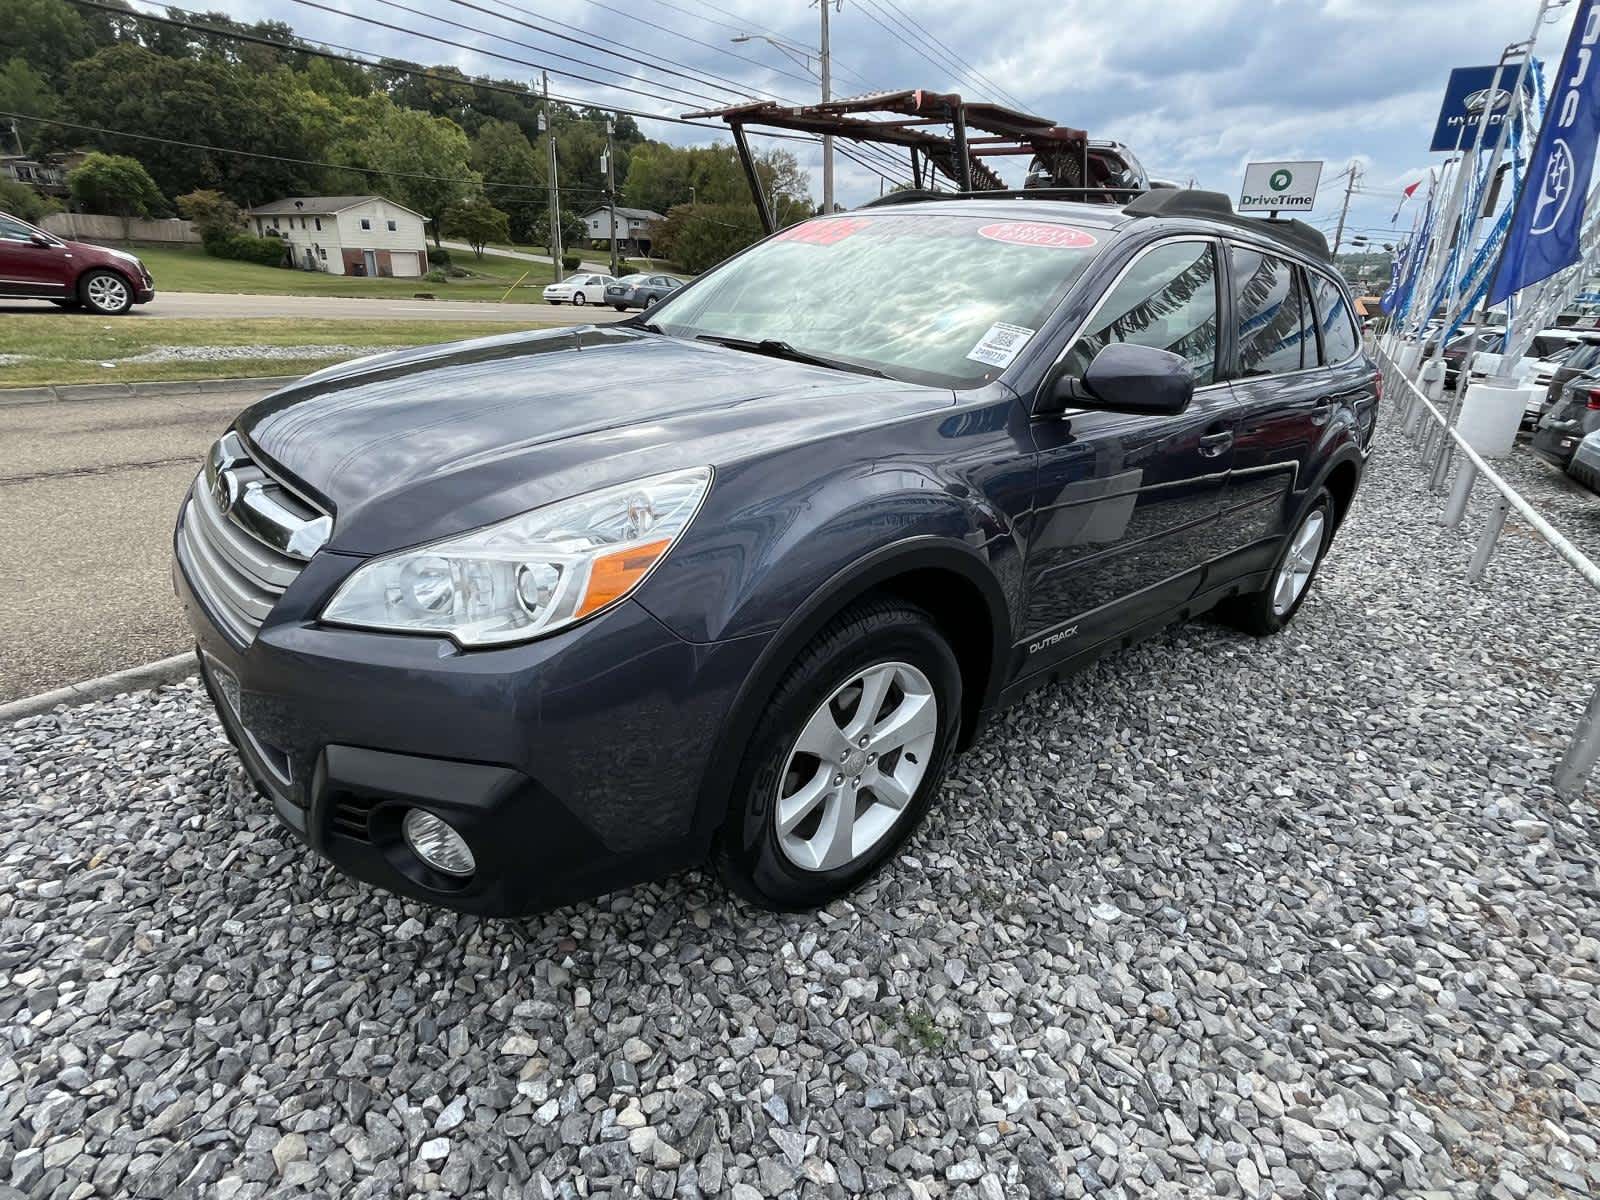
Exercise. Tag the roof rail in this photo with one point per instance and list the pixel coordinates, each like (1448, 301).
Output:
(1081, 194)
(1214, 206)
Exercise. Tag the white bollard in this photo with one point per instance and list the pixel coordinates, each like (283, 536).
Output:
(1491, 413)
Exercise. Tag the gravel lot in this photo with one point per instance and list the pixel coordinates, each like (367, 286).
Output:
(1293, 917)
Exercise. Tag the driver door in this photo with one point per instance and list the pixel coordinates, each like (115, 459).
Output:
(1126, 506)
(27, 268)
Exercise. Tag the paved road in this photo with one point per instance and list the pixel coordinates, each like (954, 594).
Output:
(351, 308)
(88, 494)
(501, 252)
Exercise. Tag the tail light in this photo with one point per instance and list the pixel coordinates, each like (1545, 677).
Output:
(1377, 386)
(1594, 399)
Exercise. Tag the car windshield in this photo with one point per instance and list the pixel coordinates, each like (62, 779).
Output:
(1548, 346)
(943, 299)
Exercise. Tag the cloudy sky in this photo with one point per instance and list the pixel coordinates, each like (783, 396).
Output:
(1196, 87)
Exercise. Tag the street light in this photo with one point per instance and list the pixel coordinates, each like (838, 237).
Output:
(824, 73)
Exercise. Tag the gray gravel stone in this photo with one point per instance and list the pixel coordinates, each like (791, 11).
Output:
(1294, 917)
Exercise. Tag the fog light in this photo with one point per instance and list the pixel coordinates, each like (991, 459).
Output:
(436, 844)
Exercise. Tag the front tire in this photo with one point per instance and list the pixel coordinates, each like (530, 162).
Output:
(106, 293)
(620, 307)
(1274, 606)
(843, 764)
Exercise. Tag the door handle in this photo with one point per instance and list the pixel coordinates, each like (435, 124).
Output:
(1213, 444)
(1322, 410)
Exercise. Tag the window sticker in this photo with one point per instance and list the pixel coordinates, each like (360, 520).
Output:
(1001, 344)
(822, 233)
(1038, 233)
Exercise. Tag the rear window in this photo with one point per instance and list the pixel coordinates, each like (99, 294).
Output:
(939, 298)
(1339, 339)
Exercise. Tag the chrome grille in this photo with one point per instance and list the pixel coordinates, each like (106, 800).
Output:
(244, 538)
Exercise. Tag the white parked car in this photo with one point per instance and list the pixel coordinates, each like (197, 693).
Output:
(578, 289)
(1539, 365)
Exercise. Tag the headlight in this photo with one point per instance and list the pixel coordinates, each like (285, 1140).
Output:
(528, 576)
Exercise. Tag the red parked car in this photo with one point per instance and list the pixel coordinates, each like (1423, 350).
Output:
(35, 265)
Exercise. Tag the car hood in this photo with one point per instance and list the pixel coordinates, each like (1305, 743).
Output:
(410, 446)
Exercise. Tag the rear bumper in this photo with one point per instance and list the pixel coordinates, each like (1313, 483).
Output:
(572, 765)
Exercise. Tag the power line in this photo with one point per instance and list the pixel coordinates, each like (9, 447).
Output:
(963, 66)
(304, 162)
(739, 90)
(511, 58)
(667, 29)
(373, 62)
(747, 26)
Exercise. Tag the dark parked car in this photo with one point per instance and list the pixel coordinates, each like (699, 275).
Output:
(1581, 361)
(35, 265)
(1574, 415)
(640, 291)
(815, 518)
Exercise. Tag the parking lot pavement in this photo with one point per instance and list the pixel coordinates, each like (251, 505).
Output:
(89, 490)
(1288, 917)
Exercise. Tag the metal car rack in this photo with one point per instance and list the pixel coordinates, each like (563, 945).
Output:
(977, 132)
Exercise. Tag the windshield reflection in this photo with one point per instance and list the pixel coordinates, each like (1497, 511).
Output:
(933, 298)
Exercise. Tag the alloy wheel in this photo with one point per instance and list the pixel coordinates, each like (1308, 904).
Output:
(856, 765)
(1299, 562)
(108, 293)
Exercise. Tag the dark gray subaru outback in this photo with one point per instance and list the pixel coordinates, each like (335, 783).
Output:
(511, 621)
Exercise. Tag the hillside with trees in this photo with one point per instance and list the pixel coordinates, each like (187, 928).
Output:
(463, 151)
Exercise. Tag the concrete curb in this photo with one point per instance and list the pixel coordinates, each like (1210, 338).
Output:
(147, 675)
(111, 391)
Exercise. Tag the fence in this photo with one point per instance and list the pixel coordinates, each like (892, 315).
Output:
(1427, 428)
(92, 227)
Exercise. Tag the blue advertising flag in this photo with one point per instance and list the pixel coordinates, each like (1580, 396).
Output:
(1548, 220)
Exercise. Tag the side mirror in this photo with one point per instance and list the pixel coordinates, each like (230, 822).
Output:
(38, 239)
(1124, 377)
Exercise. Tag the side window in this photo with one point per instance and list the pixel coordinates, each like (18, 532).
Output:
(14, 231)
(1273, 329)
(1339, 341)
(1168, 300)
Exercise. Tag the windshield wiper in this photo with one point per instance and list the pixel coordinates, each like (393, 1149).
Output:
(778, 348)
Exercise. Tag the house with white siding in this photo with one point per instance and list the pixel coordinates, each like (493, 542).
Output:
(347, 235)
(633, 226)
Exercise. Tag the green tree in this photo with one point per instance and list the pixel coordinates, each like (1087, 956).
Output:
(213, 214)
(24, 90)
(696, 237)
(116, 185)
(209, 102)
(514, 177)
(20, 200)
(477, 222)
(48, 34)
(423, 159)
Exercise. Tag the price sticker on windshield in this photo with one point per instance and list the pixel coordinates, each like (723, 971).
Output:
(1001, 344)
(1038, 233)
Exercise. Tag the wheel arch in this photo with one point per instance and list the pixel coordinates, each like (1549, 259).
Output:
(948, 579)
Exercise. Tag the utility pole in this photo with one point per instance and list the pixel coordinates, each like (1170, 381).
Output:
(1352, 174)
(611, 196)
(549, 124)
(826, 65)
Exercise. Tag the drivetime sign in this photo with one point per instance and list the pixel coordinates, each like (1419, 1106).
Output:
(1280, 186)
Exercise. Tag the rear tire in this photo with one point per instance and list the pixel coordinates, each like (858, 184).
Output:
(1267, 611)
(106, 293)
(578, 299)
(825, 795)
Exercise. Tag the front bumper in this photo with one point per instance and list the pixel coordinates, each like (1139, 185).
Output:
(572, 765)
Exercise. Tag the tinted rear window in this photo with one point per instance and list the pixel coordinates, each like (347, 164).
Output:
(1339, 340)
